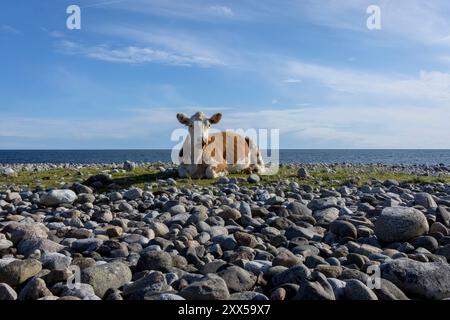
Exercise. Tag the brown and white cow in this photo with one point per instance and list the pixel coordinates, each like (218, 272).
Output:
(206, 155)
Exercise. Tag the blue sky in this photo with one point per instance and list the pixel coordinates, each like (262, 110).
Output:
(309, 68)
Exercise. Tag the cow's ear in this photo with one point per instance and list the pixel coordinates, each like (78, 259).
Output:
(183, 118)
(215, 118)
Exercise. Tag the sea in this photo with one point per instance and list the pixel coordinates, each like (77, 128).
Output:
(353, 156)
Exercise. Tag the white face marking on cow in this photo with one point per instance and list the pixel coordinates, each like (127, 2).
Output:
(199, 125)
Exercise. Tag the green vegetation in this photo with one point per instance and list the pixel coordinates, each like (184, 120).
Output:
(54, 178)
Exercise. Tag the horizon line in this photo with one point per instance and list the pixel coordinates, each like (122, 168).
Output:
(294, 149)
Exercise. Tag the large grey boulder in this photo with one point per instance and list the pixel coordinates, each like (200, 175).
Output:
(210, 287)
(106, 276)
(23, 231)
(298, 208)
(29, 246)
(237, 279)
(19, 271)
(425, 199)
(430, 280)
(34, 290)
(317, 289)
(400, 224)
(154, 260)
(57, 197)
(153, 282)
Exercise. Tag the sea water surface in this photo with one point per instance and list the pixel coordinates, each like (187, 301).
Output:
(285, 156)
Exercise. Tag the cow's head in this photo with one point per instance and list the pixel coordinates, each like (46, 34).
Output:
(199, 125)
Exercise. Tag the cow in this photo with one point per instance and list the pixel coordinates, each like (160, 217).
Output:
(206, 155)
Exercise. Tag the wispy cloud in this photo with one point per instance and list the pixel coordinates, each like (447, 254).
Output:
(56, 34)
(9, 29)
(351, 126)
(292, 80)
(432, 85)
(132, 125)
(171, 40)
(421, 21)
(135, 55)
(104, 3)
(186, 9)
(222, 10)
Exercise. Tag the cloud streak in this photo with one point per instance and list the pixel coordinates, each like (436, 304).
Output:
(431, 85)
(9, 29)
(136, 55)
(186, 9)
(415, 20)
(169, 39)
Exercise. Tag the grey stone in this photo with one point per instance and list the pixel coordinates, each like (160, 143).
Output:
(397, 224)
(229, 213)
(55, 261)
(389, 291)
(7, 293)
(327, 215)
(295, 274)
(443, 216)
(19, 271)
(129, 166)
(297, 231)
(253, 178)
(24, 231)
(152, 282)
(29, 246)
(430, 280)
(57, 197)
(316, 289)
(83, 291)
(338, 287)
(88, 244)
(103, 216)
(356, 290)
(343, 228)
(35, 289)
(425, 199)
(133, 194)
(226, 242)
(5, 244)
(106, 276)
(298, 208)
(211, 287)
(154, 260)
(159, 228)
(8, 172)
(237, 279)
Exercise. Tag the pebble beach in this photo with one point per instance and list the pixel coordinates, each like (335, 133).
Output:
(296, 236)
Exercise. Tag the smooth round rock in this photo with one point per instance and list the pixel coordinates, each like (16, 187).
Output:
(398, 224)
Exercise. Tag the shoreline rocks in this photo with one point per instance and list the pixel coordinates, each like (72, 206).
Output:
(239, 238)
